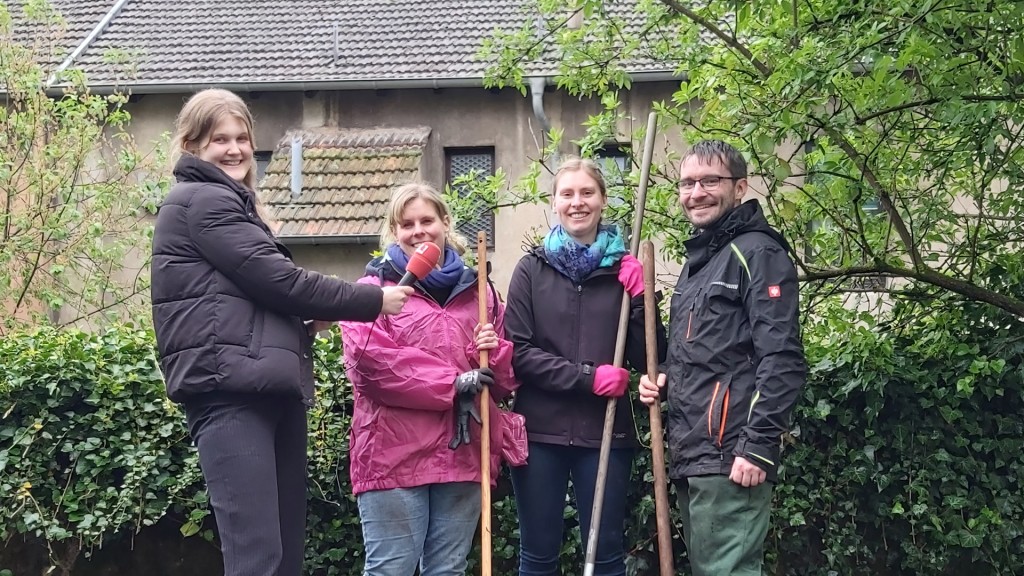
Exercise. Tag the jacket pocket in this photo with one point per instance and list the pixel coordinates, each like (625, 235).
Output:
(720, 298)
(718, 412)
(256, 338)
(514, 448)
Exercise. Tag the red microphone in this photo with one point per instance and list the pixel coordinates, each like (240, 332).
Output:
(422, 262)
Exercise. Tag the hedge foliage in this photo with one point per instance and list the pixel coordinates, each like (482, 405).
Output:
(905, 456)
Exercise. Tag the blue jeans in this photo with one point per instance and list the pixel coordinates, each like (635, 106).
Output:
(431, 525)
(540, 488)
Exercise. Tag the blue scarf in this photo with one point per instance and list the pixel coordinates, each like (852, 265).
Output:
(447, 277)
(576, 261)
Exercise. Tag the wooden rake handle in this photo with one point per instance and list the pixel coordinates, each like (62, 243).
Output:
(485, 416)
(657, 433)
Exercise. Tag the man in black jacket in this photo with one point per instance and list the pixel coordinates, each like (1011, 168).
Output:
(735, 364)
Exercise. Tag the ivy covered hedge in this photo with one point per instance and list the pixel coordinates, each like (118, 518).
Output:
(90, 449)
(905, 458)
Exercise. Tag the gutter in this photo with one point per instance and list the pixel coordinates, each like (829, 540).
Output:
(309, 86)
(96, 31)
(333, 239)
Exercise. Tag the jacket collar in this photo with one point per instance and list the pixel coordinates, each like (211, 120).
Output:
(747, 217)
(191, 169)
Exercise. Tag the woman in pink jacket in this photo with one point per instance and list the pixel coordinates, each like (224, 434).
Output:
(416, 377)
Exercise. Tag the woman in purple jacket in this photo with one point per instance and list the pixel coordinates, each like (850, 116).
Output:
(563, 305)
(416, 376)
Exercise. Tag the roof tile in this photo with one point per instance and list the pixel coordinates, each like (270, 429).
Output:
(345, 197)
(228, 41)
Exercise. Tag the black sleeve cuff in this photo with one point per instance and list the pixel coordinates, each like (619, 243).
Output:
(764, 457)
(586, 379)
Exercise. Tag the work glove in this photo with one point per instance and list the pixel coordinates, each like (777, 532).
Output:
(473, 382)
(467, 386)
(610, 381)
(465, 406)
(631, 276)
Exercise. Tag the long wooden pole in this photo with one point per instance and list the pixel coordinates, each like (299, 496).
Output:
(620, 352)
(485, 416)
(657, 433)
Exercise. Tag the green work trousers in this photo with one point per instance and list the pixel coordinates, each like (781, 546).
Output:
(724, 525)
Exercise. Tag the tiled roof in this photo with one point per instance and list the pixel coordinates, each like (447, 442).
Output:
(218, 41)
(167, 42)
(57, 41)
(347, 178)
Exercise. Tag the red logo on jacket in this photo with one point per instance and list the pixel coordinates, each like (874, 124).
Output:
(774, 291)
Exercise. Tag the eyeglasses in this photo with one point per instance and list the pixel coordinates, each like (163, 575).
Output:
(707, 182)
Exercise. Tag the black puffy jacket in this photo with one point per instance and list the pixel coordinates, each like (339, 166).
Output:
(735, 360)
(561, 332)
(228, 303)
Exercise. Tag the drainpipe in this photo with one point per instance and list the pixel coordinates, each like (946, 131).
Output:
(296, 180)
(537, 84)
(96, 31)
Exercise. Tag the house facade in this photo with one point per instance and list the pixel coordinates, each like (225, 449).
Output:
(350, 99)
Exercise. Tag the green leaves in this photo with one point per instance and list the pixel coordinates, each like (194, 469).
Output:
(885, 134)
(80, 459)
(889, 467)
(908, 453)
(72, 182)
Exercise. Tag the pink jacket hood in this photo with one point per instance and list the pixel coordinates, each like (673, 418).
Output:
(402, 368)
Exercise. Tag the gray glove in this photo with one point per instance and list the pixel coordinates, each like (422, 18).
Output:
(465, 406)
(473, 382)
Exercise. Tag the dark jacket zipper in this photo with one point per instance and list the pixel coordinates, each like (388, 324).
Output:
(579, 344)
(689, 319)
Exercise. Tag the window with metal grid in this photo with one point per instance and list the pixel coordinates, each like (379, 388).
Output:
(480, 161)
(613, 158)
(262, 158)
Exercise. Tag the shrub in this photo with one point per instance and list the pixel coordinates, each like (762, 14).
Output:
(91, 448)
(905, 455)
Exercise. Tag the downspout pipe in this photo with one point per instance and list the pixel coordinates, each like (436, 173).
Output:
(537, 85)
(96, 31)
(296, 172)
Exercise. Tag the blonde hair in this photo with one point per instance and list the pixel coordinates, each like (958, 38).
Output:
(400, 198)
(575, 164)
(200, 116)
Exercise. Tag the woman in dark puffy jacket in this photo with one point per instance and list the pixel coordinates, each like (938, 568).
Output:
(562, 318)
(229, 309)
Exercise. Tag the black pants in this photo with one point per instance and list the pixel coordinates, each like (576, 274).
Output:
(252, 451)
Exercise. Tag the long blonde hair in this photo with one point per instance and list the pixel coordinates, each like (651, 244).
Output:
(200, 116)
(400, 198)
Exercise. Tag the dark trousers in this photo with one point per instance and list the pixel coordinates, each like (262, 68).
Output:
(724, 525)
(540, 489)
(252, 453)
